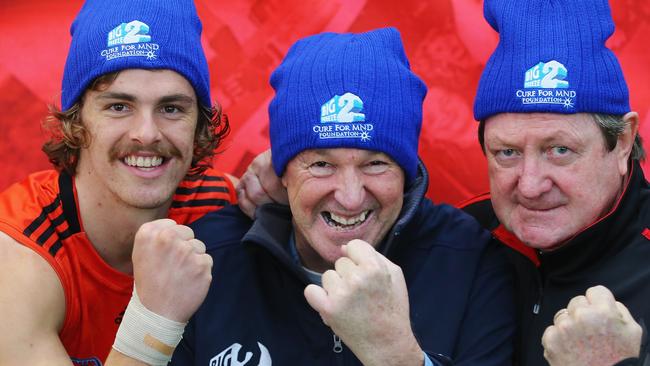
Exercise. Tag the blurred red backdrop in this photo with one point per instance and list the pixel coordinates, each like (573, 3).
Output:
(447, 42)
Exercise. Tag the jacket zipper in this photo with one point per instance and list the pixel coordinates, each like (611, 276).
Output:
(540, 292)
(338, 345)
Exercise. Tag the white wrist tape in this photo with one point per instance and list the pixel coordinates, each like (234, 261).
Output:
(147, 336)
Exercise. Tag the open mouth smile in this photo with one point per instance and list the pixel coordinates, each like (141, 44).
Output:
(340, 222)
(143, 162)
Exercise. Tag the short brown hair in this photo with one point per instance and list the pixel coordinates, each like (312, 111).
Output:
(69, 135)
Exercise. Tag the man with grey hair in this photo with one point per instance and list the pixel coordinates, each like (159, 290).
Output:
(566, 188)
(567, 191)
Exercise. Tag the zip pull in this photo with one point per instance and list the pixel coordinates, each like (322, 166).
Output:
(536, 309)
(538, 303)
(338, 345)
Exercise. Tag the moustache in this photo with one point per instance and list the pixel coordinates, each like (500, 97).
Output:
(120, 150)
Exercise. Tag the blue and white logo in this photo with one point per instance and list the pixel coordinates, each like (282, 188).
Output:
(127, 33)
(545, 83)
(549, 75)
(130, 39)
(342, 108)
(341, 118)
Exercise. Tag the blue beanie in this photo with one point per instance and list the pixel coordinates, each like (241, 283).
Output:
(109, 36)
(551, 58)
(347, 91)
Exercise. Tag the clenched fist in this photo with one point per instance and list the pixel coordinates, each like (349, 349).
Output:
(171, 269)
(365, 302)
(594, 330)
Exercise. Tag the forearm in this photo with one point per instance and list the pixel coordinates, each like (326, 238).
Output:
(116, 358)
(399, 351)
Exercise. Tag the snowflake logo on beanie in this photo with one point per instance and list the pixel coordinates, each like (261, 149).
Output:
(341, 118)
(130, 39)
(545, 83)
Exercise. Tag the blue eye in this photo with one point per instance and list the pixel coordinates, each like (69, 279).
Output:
(506, 153)
(560, 150)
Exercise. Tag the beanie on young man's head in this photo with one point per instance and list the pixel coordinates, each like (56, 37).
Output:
(347, 91)
(109, 36)
(551, 58)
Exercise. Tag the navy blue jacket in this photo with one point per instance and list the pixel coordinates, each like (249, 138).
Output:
(460, 290)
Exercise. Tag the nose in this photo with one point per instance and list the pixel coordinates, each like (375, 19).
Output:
(534, 180)
(350, 189)
(144, 129)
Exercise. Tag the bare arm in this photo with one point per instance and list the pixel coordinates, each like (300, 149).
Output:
(173, 294)
(32, 303)
(117, 359)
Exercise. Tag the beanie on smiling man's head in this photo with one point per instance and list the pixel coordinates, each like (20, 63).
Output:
(109, 36)
(347, 91)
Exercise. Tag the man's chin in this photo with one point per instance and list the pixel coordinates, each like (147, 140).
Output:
(149, 200)
(540, 240)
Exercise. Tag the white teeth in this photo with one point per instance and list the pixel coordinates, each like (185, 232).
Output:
(143, 161)
(351, 221)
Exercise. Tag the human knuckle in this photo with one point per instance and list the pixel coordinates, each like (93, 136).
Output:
(146, 231)
(207, 261)
(584, 317)
(166, 236)
(565, 325)
(577, 301)
(357, 281)
(549, 355)
(329, 274)
(395, 271)
(549, 336)
(342, 262)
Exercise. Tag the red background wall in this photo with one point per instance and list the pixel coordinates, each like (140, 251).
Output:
(447, 42)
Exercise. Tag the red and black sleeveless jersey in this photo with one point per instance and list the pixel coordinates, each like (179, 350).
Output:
(41, 213)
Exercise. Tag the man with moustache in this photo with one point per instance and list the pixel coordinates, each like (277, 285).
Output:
(131, 143)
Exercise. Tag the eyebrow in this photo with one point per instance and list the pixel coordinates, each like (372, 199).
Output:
(113, 95)
(326, 152)
(178, 98)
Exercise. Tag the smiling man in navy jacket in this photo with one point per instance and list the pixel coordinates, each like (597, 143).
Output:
(360, 268)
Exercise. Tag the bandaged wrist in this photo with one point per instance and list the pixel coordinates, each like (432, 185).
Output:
(147, 336)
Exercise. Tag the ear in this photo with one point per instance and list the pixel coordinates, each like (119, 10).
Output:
(626, 141)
